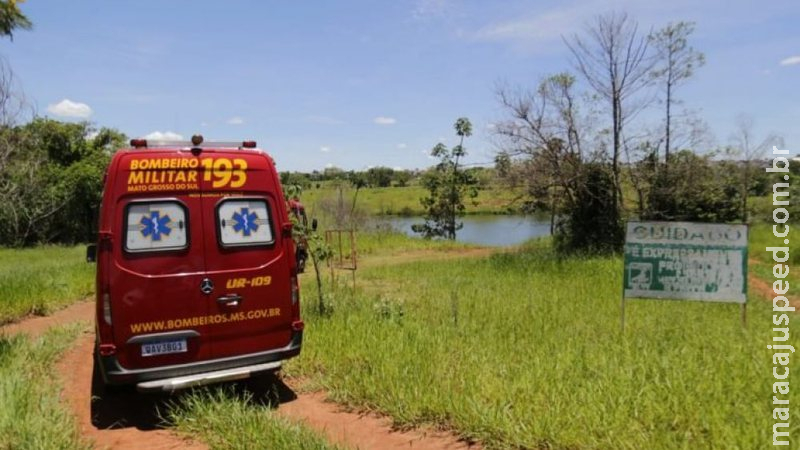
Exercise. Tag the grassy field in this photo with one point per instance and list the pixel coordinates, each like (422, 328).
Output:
(516, 350)
(40, 280)
(524, 350)
(32, 415)
(405, 200)
(225, 420)
(760, 238)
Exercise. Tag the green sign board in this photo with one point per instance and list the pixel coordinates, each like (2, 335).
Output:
(683, 260)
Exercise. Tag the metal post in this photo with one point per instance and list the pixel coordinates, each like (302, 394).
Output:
(622, 316)
(744, 315)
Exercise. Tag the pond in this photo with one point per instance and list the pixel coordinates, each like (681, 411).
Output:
(492, 230)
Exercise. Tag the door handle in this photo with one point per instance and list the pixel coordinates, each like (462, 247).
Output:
(230, 300)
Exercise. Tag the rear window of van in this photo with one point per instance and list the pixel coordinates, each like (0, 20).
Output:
(155, 226)
(244, 222)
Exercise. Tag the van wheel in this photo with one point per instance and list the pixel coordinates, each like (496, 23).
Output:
(99, 386)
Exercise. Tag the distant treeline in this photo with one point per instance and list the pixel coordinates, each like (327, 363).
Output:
(374, 177)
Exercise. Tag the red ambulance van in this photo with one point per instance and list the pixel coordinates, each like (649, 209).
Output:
(196, 268)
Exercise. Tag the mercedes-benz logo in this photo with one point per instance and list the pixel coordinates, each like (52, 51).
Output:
(206, 286)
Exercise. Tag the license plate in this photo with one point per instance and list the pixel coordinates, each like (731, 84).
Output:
(164, 347)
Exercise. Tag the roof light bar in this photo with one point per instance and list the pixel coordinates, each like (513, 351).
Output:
(144, 143)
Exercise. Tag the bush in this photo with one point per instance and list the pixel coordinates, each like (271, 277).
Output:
(695, 189)
(593, 223)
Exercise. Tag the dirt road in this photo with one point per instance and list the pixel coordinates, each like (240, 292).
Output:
(128, 420)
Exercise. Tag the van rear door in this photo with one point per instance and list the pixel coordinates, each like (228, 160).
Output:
(157, 277)
(243, 209)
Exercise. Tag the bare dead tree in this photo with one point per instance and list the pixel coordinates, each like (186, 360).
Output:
(677, 61)
(546, 130)
(749, 149)
(613, 59)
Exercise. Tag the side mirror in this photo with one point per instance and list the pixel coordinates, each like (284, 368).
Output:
(314, 224)
(91, 253)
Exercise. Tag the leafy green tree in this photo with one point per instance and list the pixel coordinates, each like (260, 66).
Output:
(306, 235)
(592, 225)
(447, 184)
(695, 189)
(380, 176)
(52, 180)
(402, 177)
(11, 18)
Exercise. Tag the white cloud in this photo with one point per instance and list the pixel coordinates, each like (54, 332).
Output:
(398, 169)
(164, 136)
(401, 146)
(68, 108)
(381, 120)
(235, 121)
(324, 149)
(790, 61)
(537, 32)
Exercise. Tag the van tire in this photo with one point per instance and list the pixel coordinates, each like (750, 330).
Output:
(99, 385)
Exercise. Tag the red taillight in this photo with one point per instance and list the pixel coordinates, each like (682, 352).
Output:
(107, 349)
(298, 325)
(249, 144)
(138, 143)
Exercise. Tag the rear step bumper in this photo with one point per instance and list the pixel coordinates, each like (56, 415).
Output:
(201, 372)
(173, 384)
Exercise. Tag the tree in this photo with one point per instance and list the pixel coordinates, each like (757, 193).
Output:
(448, 184)
(747, 147)
(591, 225)
(402, 177)
(677, 61)
(358, 180)
(11, 18)
(542, 142)
(317, 248)
(613, 60)
(52, 181)
(380, 176)
(695, 189)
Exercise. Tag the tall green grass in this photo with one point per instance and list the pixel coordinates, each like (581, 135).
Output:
(760, 238)
(224, 420)
(43, 279)
(525, 351)
(32, 415)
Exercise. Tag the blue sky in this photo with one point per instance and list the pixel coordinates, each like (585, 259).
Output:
(365, 83)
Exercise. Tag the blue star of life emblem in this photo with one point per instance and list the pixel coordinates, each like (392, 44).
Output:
(154, 226)
(245, 221)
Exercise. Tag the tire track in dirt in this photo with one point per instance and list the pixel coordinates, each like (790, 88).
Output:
(764, 288)
(127, 420)
(118, 421)
(36, 326)
(364, 431)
